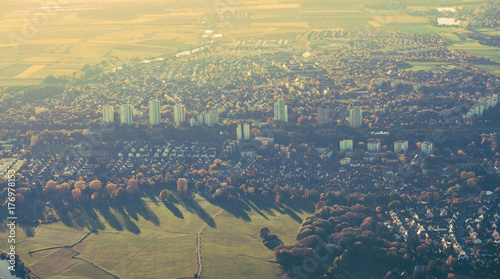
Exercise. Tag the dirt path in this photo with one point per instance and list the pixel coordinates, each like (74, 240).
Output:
(198, 244)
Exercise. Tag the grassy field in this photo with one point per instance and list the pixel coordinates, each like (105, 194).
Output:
(156, 240)
(470, 46)
(235, 246)
(430, 66)
(473, 46)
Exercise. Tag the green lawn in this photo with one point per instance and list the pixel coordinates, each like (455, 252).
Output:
(473, 46)
(430, 66)
(234, 247)
(154, 240)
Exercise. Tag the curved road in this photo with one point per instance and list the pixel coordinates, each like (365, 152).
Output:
(460, 224)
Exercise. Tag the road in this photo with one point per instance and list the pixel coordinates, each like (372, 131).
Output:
(459, 233)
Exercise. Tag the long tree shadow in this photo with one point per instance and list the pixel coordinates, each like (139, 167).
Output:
(251, 205)
(301, 206)
(65, 214)
(129, 224)
(237, 209)
(89, 218)
(29, 229)
(265, 205)
(131, 211)
(152, 196)
(194, 207)
(78, 216)
(139, 207)
(272, 242)
(292, 214)
(177, 213)
(106, 213)
(289, 207)
(85, 215)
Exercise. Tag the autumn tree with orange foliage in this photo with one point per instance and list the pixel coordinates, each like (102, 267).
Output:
(182, 188)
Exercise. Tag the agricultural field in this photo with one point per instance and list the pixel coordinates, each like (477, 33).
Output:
(473, 46)
(37, 41)
(157, 240)
(69, 35)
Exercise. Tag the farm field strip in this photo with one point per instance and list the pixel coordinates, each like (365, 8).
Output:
(31, 70)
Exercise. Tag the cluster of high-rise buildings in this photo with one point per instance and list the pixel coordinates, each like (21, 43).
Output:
(372, 146)
(479, 108)
(108, 114)
(400, 146)
(243, 134)
(210, 118)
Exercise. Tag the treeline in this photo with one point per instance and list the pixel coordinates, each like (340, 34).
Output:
(354, 233)
(99, 191)
(18, 96)
(478, 15)
(489, 40)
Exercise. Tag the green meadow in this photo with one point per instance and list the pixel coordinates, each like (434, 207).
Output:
(152, 239)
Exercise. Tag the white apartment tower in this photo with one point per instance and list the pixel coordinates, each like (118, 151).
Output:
(238, 132)
(281, 111)
(154, 112)
(126, 115)
(401, 146)
(374, 146)
(355, 117)
(427, 147)
(346, 145)
(323, 115)
(108, 114)
(179, 113)
(212, 117)
(246, 131)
